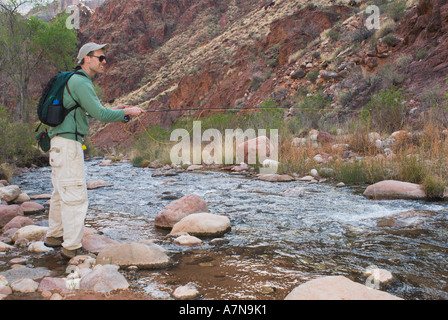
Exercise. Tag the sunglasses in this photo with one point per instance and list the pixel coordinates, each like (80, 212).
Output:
(101, 58)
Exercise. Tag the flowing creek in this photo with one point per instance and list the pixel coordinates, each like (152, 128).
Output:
(282, 235)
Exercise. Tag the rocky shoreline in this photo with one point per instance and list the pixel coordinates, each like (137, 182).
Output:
(108, 271)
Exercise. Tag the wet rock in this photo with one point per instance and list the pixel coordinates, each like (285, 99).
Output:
(104, 278)
(18, 222)
(95, 184)
(39, 247)
(336, 288)
(7, 213)
(392, 189)
(96, 242)
(185, 293)
(31, 208)
(30, 233)
(411, 218)
(202, 224)
(179, 209)
(9, 193)
(187, 240)
(134, 254)
(380, 276)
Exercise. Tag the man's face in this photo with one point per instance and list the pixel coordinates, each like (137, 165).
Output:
(93, 62)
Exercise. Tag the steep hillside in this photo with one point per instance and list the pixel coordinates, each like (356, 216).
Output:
(197, 53)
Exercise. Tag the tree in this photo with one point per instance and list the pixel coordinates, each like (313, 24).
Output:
(25, 44)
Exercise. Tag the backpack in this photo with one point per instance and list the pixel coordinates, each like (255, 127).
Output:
(50, 109)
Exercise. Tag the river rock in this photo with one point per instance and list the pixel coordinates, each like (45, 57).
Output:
(406, 219)
(336, 288)
(187, 240)
(31, 208)
(134, 254)
(96, 242)
(50, 283)
(379, 275)
(95, 184)
(43, 196)
(7, 213)
(24, 286)
(104, 278)
(30, 233)
(185, 292)
(23, 197)
(24, 272)
(275, 177)
(179, 209)
(392, 189)
(38, 247)
(5, 247)
(9, 193)
(18, 222)
(202, 224)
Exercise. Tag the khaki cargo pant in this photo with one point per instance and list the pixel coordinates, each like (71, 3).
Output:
(68, 205)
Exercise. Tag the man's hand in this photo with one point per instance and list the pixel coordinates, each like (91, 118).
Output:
(133, 111)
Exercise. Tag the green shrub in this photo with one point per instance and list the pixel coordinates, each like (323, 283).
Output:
(396, 9)
(434, 187)
(17, 142)
(387, 110)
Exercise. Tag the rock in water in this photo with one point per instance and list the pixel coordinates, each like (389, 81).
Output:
(134, 254)
(202, 224)
(392, 189)
(104, 279)
(336, 288)
(179, 209)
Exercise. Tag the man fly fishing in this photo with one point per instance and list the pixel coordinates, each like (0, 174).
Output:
(69, 203)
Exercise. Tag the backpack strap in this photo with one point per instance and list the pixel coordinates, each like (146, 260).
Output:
(77, 104)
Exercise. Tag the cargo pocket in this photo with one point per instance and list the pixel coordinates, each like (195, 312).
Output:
(56, 157)
(73, 192)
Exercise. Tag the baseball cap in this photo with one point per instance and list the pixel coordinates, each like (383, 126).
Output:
(89, 47)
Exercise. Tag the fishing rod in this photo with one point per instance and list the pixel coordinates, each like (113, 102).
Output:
(128, 118)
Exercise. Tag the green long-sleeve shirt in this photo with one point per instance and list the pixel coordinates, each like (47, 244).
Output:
(82, 91)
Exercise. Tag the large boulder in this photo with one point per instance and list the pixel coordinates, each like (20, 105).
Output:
(336, 288)
(7, 213)
(179, 209)
(392, 189)
(202, 224)
(134, 254)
